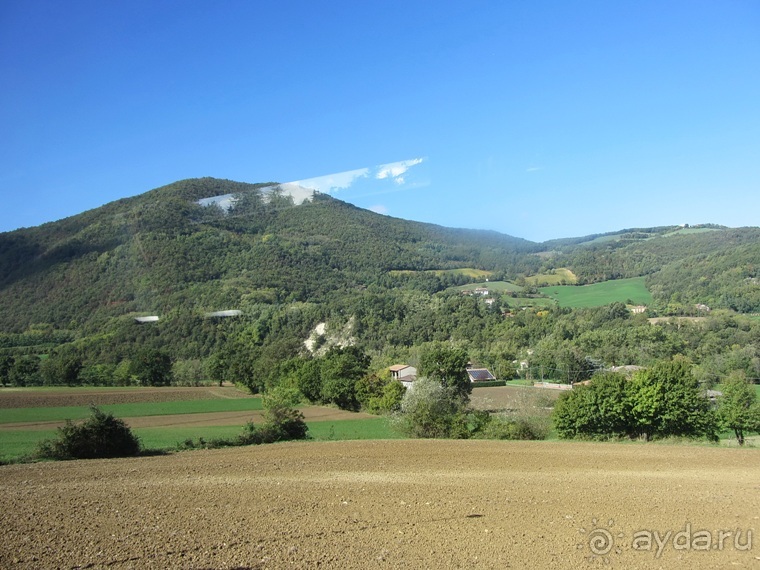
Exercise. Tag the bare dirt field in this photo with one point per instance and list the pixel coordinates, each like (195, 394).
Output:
(389, 504)
(30, 398)
(497, 398)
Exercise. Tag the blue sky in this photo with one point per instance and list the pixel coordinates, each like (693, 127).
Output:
(539, 119)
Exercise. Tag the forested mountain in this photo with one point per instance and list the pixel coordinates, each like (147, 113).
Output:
(162, 253)
(74, 287)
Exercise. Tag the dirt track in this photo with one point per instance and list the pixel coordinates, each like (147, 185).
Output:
(390, 504)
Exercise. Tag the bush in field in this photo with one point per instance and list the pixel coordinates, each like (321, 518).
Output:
(503, 426)
(283, 395)
(429, 410)
(529, 417)
(99, 436)
(282, 423)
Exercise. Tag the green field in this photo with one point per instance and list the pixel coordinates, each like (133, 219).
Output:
(598, 294)
(15, 415)
(554, 278)
(687, 231)
(17, 443)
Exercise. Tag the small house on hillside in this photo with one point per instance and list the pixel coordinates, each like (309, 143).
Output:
(480, 375)
(404, 373)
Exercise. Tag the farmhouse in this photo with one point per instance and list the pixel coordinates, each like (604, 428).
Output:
(480, 375)
(404, 373)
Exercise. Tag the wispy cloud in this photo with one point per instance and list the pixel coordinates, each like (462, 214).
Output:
(379, 209)
(533, 169)
(396, 169)
(333, 182)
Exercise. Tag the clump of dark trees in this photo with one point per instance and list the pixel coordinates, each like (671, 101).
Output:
(663, 401)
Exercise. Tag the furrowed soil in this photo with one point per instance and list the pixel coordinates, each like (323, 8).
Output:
(389, 504)
(31, 398)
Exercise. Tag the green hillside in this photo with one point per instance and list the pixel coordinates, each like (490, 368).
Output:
(307, 281)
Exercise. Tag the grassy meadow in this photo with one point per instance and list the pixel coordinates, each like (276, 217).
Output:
(16, 442)
(554, 278)
(598, 294)
(132, 410)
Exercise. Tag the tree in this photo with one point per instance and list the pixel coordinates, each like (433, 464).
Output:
(430, 410)
(738, 408)
(309, 379)
(379, 393)
(340, 369)
(447, 365)
(666, 400)
(6, 363)
(62, 368)
(599, 411)
(216, 367)
(152, 367)
(25, 371)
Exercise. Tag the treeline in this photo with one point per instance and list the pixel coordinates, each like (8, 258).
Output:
(665, 400)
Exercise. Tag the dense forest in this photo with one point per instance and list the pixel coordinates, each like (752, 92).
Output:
(390, 288)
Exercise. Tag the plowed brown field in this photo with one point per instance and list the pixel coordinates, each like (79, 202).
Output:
(388, 504)
(31, 398)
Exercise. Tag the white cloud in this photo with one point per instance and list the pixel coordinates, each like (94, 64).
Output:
(532, 169)
(399, 180)
(396, 169)
(379, 209)
(333, 182)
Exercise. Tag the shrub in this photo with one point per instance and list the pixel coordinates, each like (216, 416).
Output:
(600, 410)
(504, 427)
(431, 411)
(489, 384)
(99, 436)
